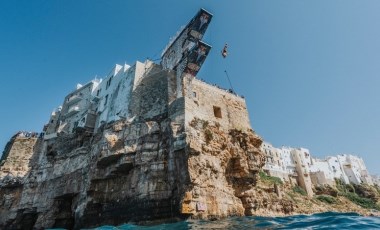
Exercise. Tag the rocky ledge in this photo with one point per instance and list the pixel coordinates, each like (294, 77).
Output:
(143, 171)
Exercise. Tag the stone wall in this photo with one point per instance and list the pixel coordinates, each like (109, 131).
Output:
(224, 152)
(213, 104)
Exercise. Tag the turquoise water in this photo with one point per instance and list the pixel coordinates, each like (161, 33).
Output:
(328, 220)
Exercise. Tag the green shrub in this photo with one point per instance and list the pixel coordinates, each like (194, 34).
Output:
(349, 191)
(272, 179)
(327, 199)
(340, 185)
(363, 202)
(377, 188)
(298, 189)
(350, 188)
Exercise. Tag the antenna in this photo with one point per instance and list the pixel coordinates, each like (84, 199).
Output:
(229, 81)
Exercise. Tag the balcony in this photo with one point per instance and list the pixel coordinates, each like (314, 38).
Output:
(96, 98)
(72, 111)
(73, 99)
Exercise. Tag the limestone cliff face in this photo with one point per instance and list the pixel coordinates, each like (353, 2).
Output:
(134, 171)
(194, 156)
(223, 166)
(130, 170)
(17, 153)
(13, 168)
(161, 163)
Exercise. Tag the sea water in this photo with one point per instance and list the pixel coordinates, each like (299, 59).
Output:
(328, 220)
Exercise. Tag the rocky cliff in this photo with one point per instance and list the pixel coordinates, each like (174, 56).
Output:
(173, 158)
(134, 171)
(141, 171)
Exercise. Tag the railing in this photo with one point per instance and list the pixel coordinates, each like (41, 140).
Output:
(72, 110)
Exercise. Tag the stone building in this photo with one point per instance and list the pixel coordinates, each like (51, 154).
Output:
(302, 160)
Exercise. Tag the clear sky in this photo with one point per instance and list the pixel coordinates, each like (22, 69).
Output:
(309, 70)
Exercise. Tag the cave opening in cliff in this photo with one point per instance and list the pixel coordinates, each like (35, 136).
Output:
(64, 217)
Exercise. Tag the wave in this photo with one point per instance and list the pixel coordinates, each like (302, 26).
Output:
(327, 220)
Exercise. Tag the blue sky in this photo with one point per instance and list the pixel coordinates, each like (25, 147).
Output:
(309, 70)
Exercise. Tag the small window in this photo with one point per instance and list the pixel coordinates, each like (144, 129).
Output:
(217, 112)
(106, 100)
(109, 82)
(194, 94)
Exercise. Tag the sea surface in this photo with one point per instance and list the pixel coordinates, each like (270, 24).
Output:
(328, 220)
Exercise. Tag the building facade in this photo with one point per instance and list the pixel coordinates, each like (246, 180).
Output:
(297, 166)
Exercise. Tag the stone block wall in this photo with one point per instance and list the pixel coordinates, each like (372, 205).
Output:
(213, 104)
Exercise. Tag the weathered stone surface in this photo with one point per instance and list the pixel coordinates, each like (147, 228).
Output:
(175, 158)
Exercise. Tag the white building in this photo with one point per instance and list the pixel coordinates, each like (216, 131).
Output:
(355, 169)
(77, 111)
(337, 169)
(115, 91)
(290, 163)
(274, 165)
(321, 172)
(287, 160)
(99, 101)
(376, 179)
(50, 128)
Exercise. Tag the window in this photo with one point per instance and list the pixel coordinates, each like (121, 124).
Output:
(105, 101)
(194, 94)
(97, 93)
(109, 82)
(217, 112)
